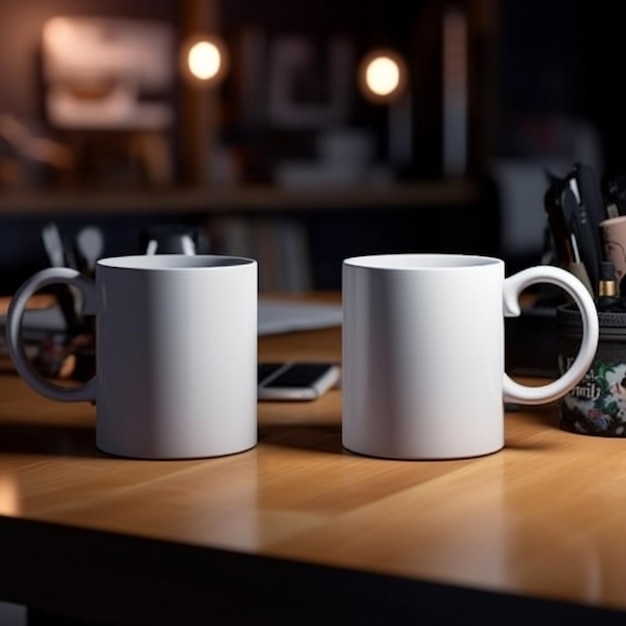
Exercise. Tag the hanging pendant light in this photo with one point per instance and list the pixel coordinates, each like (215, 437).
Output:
(204, 60)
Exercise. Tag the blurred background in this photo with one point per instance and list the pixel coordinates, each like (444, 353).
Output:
(300, 135)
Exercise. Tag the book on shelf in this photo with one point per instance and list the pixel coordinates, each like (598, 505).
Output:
(280, 245)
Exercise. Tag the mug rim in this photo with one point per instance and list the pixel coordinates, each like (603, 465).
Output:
(173, 262)
(610, 221)
(422, 261)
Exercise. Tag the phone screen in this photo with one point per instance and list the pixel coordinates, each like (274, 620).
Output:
(295, 375)
(295, 380)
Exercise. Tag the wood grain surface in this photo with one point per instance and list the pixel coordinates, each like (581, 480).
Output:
(542, 519)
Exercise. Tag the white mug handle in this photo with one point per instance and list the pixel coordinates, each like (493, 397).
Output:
(49, 276)
(513, 286)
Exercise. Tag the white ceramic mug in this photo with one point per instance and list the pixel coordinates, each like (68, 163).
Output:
(423, 353)
(176, 353)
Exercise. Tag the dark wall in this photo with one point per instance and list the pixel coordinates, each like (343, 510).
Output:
(556, 56)
(607, 83)
(561, 56)
(544, 54)
(565, 58)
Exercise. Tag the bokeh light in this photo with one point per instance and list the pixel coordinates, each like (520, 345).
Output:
(382, 76)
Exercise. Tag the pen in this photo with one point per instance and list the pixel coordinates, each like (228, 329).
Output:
(578, 221)
(577, 268)
(608, 288)
(590, 196)
(556, 222)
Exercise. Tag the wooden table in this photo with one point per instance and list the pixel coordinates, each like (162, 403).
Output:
(298, 530)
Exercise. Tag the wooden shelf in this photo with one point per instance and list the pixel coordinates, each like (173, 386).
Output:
(256, 199)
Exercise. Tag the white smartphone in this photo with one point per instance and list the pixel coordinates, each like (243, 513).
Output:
(296, 380)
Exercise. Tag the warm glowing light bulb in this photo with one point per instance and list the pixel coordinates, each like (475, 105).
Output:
(204, 60)
(382, 76)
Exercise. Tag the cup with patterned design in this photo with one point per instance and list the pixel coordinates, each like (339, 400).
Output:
(597, 404)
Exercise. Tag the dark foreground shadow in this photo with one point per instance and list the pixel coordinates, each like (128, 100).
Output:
(317, 437)
(48, 439)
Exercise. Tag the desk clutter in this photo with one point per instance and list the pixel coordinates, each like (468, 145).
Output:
(62, 337)
(582, 218)
(587, 224)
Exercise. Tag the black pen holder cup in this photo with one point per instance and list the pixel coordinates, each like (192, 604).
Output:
(597, 404)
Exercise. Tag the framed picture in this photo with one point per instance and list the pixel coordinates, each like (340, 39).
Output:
(96, 71)
(311, 83)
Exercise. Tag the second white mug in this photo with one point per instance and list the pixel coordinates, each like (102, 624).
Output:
(176, 353)
(423, 353)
